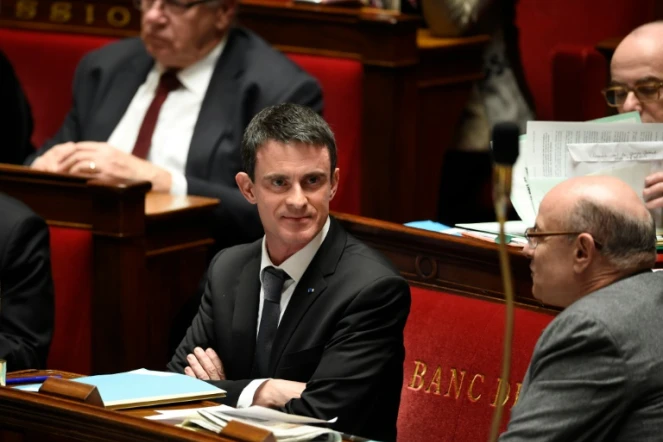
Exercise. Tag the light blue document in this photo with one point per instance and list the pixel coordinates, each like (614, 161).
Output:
(143, 388)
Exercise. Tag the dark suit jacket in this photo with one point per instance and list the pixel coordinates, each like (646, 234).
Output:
(341, 334)
(26, 287)
(597, 371)
(15, 117)
(249, 76)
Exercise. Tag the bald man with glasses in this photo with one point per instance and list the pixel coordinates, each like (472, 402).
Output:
(595, 372)
(636, 72)
(171, 106)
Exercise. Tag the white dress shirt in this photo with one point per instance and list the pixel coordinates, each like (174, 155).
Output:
(177, 118)
(295, 266)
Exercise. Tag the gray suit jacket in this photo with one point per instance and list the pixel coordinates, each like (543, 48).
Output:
(249, 76)
(597, 371)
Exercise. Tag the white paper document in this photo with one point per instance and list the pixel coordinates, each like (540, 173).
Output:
(553, 151)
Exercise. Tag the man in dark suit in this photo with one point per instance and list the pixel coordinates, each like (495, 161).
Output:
(595, 374)
(171, 107)
(26, 287)
(308, 319)
(15, 117)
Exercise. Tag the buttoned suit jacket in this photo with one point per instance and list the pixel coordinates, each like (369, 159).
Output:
(597, 371)
(341, 333)
(249, 76)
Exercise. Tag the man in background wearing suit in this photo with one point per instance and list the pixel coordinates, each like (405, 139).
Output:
(308, 319)
(636, 72)
(595, 374)
(15, 117)
(171, 107)
(26, 287)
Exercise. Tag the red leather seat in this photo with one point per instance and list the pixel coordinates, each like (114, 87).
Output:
(453, 354)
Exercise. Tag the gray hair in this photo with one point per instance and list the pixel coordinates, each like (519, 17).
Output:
(286, 123)
(628, 240)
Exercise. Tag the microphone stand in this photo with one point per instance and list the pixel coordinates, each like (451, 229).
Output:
(501, 192)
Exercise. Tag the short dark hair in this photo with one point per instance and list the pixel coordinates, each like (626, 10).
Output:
(628, 240)
(286, 123)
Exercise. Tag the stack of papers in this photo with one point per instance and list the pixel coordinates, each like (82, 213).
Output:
(285, 427)
(552, 152)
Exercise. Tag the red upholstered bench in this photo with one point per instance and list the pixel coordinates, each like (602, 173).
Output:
(72, 265)
(45, 63)
(453, 350)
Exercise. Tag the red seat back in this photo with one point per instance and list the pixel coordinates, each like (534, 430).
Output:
(45, 63)
(453, 353)
(71, 258)
(544, 25)
(341, 82)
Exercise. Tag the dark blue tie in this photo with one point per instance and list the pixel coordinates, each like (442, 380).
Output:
(272, 286)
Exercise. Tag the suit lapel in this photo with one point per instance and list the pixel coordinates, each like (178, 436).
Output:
(245, 315)
(121, 91)
(309, 288)
(216, 113)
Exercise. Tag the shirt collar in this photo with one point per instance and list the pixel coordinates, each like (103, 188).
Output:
(197, 77)
(296, 265)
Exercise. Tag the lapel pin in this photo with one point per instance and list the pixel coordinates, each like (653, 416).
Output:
(311, 290)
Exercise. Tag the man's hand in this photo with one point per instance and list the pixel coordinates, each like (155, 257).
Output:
(205, 365)
(653, 193)
(275, 393)
(103, 161)
(50, 161)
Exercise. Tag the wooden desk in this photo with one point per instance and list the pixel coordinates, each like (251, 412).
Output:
(27, 417)
(150, 251)
(414, 86)
(445, 263)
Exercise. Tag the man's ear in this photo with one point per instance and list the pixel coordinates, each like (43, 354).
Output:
(225, 15)
(334, 182)
(584, 252)
(245, 185)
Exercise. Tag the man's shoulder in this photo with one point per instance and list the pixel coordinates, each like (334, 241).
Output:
(115, 53)
(261, 58)
(235, 257)
(362, 264)
(14, 212)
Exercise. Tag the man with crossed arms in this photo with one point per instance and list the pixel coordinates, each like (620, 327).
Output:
(308, 319)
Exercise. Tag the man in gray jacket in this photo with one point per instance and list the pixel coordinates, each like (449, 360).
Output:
(597, 370)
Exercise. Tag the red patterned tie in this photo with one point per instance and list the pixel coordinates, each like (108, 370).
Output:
(167, 83)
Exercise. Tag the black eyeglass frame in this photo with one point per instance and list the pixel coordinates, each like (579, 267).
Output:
(658, 84)
(530, 234)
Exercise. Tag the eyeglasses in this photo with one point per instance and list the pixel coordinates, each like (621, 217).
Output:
(169, 6)
(532, 237)
(615, 96)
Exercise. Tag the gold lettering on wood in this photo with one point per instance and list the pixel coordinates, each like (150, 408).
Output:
(26, 9)
(470, 394)
(418, 377)
(437, 378)
(60, 12)
(500, 384)
(118, 16)
(455, 384)
(89, 14)
(515, 399)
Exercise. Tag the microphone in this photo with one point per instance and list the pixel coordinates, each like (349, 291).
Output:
(505, 152)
